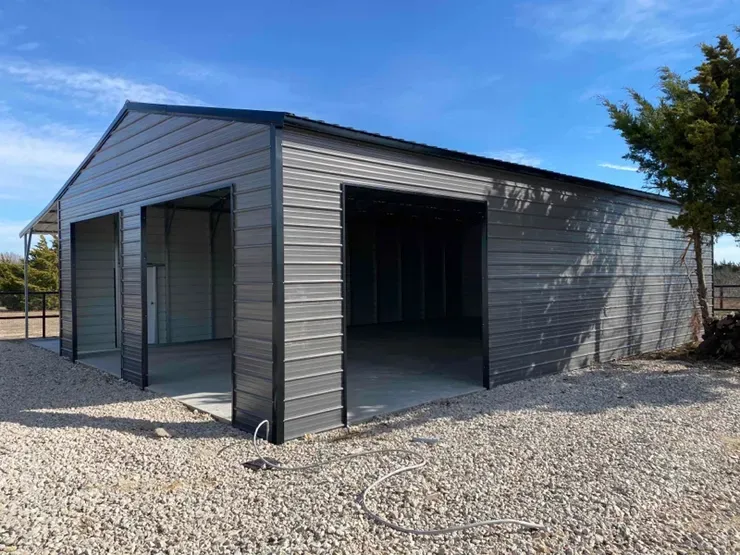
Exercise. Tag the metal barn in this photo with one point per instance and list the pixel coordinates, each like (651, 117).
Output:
(259, 265)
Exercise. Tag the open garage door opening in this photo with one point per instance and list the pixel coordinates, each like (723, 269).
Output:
(189, 290)
(414, 299)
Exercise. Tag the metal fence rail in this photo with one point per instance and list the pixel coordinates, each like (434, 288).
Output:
(12, 314)
(726, 299)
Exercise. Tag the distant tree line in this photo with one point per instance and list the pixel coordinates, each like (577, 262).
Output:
(726, 273)
(43, 275)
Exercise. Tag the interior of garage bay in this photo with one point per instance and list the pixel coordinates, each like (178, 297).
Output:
(189, 290)
(414, 299)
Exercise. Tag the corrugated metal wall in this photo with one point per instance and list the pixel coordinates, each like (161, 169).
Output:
(133, 326)
(223, 264)
(253, 290)
(190, 276)
(95, 264)
(153, 158)
(577, 276)
(66, 335)
(574, 273)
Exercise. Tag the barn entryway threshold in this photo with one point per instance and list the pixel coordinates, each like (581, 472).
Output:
(196, 374)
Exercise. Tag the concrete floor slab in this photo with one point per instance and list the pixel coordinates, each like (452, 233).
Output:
(196, 374)
(50, 344)
(392, 367)
(107, 361)
(389, 368)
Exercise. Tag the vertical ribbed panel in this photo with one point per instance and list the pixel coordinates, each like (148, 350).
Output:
(156, 254)
(222, 277)
(572, 271)
(155, 243)
(133, 324)
(95, 288)
(190, 276)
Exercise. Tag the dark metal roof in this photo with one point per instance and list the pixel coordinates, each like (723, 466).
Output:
(292, 120)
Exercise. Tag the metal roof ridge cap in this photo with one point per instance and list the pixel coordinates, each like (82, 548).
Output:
(237, 114)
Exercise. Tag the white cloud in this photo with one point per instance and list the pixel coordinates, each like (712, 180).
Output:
(652, 23)
(41, 151)
(90, 86)
(618, 167)
(27, 46)
(36, 161)
(517, 156)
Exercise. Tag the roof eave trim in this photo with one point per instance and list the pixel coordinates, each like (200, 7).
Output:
(76, 173)
(501, 165)
(248, 116)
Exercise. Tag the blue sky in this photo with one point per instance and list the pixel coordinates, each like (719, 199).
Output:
(513, 80)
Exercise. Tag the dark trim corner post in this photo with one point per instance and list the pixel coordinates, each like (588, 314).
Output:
(485, 338)
(232, 227)
(345, 321)
(59, 278)
(73, 288)
(144, 304)
(277, 429)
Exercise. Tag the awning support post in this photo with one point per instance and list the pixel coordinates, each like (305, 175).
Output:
(26, 250)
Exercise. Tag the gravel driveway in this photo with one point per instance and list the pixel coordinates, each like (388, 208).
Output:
(639, 457)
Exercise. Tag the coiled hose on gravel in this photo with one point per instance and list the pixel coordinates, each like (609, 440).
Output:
(363, 495)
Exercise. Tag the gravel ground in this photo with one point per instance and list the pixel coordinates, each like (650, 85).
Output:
(636, 456)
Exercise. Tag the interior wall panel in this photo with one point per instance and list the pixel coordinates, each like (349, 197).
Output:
(156, 249)
(222, 277)
(190, 277)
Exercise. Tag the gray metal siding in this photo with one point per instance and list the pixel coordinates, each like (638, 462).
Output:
(66, 331)
(150, 159)
(576, 277)
(96, 289)
(133, 329)
(572, 271)
(253, 291)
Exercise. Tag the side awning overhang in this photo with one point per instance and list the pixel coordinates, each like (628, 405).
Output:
(46, 223)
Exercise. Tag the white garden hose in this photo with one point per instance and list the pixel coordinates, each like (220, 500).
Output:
(374, 516)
